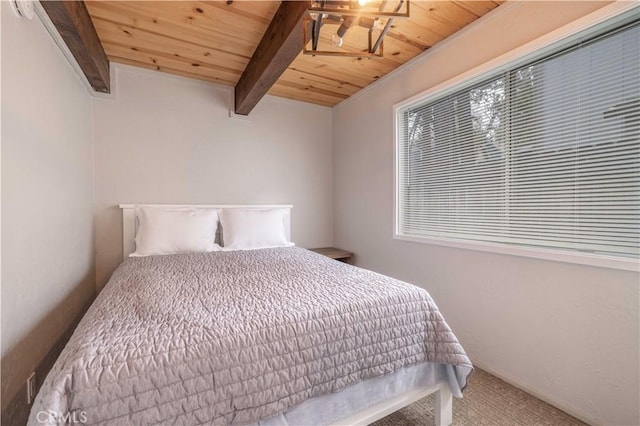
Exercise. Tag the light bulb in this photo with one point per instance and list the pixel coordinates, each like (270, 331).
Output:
(336, 40)
(363, 2)
(315, 15)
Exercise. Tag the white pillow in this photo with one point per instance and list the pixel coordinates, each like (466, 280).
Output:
(247, 229)
(172, 231)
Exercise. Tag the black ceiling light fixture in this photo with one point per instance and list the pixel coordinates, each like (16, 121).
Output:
(371, 19)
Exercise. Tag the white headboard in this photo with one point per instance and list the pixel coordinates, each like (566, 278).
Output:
(129, 222)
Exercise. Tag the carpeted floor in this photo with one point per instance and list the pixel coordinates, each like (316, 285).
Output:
(488, 401)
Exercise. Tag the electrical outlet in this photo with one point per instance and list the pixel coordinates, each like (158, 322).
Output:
(31, 387)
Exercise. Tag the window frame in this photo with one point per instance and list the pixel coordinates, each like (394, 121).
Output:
(602, 20)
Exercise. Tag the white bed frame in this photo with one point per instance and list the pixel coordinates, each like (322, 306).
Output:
(443, 398)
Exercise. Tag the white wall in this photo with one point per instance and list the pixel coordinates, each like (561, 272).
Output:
(167, 139)
(566, 332)
(47, 198)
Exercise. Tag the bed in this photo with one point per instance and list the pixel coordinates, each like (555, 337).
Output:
(270, 337)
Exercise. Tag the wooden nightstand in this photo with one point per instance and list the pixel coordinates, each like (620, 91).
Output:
(335, 253)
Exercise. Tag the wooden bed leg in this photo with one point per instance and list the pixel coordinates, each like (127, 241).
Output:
(444, 406)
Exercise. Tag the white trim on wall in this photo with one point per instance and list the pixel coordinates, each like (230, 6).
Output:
(536, 253)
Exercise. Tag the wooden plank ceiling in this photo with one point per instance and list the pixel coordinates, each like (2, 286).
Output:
(214, 41)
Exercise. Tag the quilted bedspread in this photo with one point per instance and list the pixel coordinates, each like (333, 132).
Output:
(234, 337)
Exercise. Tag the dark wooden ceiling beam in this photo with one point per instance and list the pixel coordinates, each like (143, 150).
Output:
(74, 24)
(280, 45)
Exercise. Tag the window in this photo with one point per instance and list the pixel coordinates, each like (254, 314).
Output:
(543, 154)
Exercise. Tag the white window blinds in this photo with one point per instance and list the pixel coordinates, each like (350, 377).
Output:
(546, 154)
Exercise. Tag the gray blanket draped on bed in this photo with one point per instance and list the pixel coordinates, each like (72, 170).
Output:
(234, 337)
